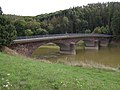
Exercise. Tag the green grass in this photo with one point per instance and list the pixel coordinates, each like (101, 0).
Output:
(18, 73)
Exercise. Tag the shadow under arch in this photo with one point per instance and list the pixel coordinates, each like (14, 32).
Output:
(80, 44)
(46, 49)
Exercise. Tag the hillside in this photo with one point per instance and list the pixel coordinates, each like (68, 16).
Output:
(93, 18)
(18, 73)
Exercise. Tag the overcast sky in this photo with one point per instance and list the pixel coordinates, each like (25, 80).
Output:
(36, 7)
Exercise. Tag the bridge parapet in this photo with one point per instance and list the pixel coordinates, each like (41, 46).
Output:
(64, 35)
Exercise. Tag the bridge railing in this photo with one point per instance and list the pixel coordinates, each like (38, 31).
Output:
(60, 35)
(40, 36)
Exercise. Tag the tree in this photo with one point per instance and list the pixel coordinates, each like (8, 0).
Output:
(115, 25)
(104, 30)
(1, 11)
(50, 28)
(65, 24)
(28, 32)
(7, 32)
(97, 30)
(32, 25)
(20, 26)
(41, 31)
(87, 31)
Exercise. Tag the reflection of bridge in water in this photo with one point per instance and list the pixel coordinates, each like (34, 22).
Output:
(66, 42)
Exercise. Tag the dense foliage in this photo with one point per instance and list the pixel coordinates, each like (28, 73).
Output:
(93, 18)
(7, 31)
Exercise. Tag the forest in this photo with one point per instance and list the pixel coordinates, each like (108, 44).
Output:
(101, 18)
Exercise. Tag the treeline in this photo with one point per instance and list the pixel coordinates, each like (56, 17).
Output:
(94, 18)
(103, 18)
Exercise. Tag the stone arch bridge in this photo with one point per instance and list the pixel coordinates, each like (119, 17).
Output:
(66, 42)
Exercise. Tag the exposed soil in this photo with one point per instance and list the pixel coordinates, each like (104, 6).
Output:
(9, 51)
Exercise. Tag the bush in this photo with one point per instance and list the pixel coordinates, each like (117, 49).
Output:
(28, 32)
(7, 31)
(41, 31)
(88, 31)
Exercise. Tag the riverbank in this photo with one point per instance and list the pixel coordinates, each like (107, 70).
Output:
(19, 73)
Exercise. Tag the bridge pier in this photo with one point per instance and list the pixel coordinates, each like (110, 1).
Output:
(69, 49)
(104, 42)
(92, 45)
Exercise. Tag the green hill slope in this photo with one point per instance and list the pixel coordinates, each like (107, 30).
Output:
(18, 73)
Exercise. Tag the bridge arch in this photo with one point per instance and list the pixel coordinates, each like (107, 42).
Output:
(28, 48)
(80, 44)
(46, 49)
(89, 43)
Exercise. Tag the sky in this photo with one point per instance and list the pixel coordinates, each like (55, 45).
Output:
(37, 7)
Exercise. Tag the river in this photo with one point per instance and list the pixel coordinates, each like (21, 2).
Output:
(105, 56)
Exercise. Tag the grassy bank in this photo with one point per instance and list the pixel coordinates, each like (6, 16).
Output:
(18, 73)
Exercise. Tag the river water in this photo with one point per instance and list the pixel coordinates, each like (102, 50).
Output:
(104, 56)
